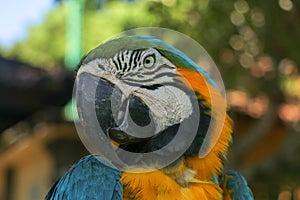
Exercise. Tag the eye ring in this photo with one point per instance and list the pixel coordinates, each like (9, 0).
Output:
(149, 61)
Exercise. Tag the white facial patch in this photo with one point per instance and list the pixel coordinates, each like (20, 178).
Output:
(99, 67)
(169, 105)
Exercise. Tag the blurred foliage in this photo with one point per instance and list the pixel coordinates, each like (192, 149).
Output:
(235, 33)
(45, 44)
(255, 44)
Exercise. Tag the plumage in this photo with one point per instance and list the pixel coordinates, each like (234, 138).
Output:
(161, 90)
(236, 187)
(92, 177)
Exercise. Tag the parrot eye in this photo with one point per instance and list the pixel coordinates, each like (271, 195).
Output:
(149, 61)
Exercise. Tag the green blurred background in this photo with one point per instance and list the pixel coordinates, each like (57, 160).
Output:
(255, 44)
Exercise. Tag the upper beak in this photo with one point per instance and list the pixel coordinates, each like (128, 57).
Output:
(123, 119)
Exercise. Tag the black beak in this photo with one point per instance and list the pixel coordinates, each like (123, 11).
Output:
(124, 120)
(103, 103)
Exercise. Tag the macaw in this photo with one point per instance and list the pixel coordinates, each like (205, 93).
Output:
(156, 79)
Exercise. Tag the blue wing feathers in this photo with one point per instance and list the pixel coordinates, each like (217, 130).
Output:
(92, 177)
(238, 186)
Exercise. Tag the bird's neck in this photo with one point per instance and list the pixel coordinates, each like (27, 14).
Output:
(189, 178)
(178, 181)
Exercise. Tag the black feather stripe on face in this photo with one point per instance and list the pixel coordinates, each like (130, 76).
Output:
(128, 60)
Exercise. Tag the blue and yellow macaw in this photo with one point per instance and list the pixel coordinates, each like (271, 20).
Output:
(143, 69)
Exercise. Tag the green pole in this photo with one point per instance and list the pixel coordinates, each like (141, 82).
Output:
(74, 22)
(74, 33)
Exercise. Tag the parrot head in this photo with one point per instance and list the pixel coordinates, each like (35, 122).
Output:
(149, 108)
(146, 91)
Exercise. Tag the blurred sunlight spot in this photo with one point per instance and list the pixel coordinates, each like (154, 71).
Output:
(252, 47)
(246, 32)
(257, 18)
(287, 67)
(296, 194)
(237, 18)
(238, 99)
(236, 42)
(227, 56)
(286, 4)
(291, 86)
(289, 113)
(246, 60)
(255, 107)
(263, 66)
(285, 195)
(258, 106)
(169, 3)
(241, 6)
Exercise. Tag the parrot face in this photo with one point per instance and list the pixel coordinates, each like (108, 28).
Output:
(140, 97)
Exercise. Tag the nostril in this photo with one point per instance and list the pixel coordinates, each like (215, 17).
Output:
(139, 111)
